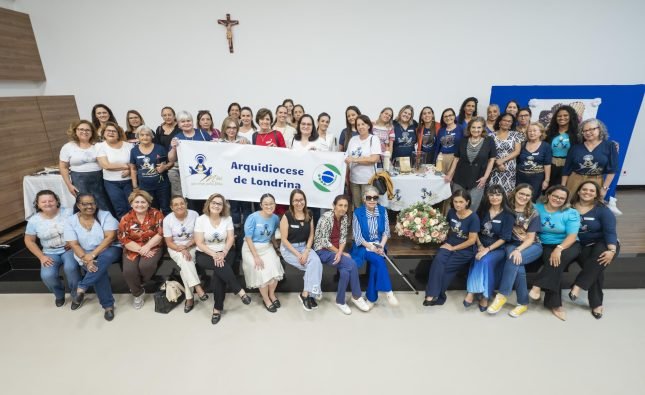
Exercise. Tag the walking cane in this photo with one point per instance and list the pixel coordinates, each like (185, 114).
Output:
(405, 278)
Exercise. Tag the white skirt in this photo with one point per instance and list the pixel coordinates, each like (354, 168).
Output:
(256, 278)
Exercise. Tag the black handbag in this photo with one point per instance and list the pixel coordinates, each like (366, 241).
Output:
(163, 305)
(379, 184)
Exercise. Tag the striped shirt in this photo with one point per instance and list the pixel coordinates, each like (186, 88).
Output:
(372, 224)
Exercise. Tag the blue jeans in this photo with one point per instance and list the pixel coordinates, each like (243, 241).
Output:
(100, 279)
(118, 192)
(348, 272)
(516, 274)
(312, 268)
(92, 182)
(50, 277)
(160, 196)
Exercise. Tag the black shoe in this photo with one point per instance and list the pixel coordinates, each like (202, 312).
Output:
(432, 302)
(312, 301)
(109, 315)
(204, 297)
(467, 304)
(277, 304)
(483, 308)
(188, 307)
(246, 299)
(60, 302)
(306, 302)
(573, 297)
(271, 308)
(215, 318)
(77, 301)
(596, 315)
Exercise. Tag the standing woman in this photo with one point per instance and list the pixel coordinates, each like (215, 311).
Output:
(512, 107)
(164, 135)
(329, 242)
(523, 121)
(47, 226)
(326, 141)
(178, 232)
(266, 135)
(599, 244)
(405, 136)
(133, 121)
(508, 143)
(448, 138)
(561, 133)
(148, 167)
(495, 231)
(523, 249)
(101, 114)
(534, 162)
(371, 233)
(91, 234)
(297, 239)
(214, 238)
(78, 165)
(473, 162)
(306, 138)
(282, 126)
(467, 111)
(560, 226)
(247, 126)
(234, 110)
(298, 111)
(384, 129)
(261, 265)
(351, 114)
(492, 113)
(205, 124)
(288, 103)
(595, 159)
(456, 252)
(231, 132)
(113, 155)
(141, 234)
(363, 152)
(427, 134)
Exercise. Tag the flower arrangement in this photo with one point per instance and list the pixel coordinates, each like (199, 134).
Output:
(422, 223)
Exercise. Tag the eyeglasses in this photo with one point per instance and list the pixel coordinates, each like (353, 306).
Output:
(218, 204)
(83, 130)
(590, 130)
(526, 195)
(372, 198)
(559, 198)
(231, 127)
(298, 200)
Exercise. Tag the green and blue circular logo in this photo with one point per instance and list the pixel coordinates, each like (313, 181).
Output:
(326, 177)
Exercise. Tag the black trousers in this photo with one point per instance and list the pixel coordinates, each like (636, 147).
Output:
(592, 276)
(222, 276)
(550, 277)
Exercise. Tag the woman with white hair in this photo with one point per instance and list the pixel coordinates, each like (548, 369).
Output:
(149, 165)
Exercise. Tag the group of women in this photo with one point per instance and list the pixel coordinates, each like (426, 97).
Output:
(504, 235)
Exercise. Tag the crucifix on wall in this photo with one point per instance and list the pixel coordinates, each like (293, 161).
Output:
(229, 23)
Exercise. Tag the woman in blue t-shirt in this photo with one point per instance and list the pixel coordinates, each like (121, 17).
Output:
(149, 167)
(534, 162)
(495, 231)
(560, 225)
(599, 243)
(456, 252)
(561, 134)
(448, 138)
(405, 136)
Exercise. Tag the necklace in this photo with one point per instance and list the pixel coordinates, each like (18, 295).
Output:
(476, 143)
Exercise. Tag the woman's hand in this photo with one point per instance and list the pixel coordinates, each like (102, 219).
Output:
(606, 257)
(545, 185)
(186, 254)
(219, 259)
(447, 178)
(302, 258)
(337, 257)
(259, 263)
(501, 167)
(516, 257)
(72, 189)
(91, 267)
(349, 160)
(125, 173)
(174, 142)
(554, 258)
(87, 259)
(144, 250)
(481, 183)
(46, 261)
(161, 168)
(446, 246)
(481, 252)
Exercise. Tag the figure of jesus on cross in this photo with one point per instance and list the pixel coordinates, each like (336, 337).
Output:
(229, 23)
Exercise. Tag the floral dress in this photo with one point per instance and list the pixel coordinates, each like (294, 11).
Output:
(505, 147)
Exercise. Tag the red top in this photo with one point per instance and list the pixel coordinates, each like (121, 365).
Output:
(273, 136)
(130, 229)
(335, 233)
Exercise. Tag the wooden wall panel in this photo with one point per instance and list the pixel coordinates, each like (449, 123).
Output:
(32, 130)
(19, 56)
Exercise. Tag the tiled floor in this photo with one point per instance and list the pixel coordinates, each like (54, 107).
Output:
(390, 350)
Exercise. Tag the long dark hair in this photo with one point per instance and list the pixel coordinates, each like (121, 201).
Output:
(348, 126)
(95, 120)
(314, 132)
(308, 214)
(553, 130)
(462, 109)
(597, 199)
(485, 203)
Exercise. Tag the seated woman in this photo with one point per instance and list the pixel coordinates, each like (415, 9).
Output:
(523, 249)
(371, 233)
(297, 237)
(329, 244)
(47, 226)
(560, 226)
(457, 251)
(214, 239)
(91, 233)
(495, 231)
(599, 244)
(261, 265)
(141, 233)
(178, 228)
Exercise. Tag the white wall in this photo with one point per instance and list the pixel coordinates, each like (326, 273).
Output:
(145, 54)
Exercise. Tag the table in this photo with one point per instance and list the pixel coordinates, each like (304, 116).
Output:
(31, 185)
(412, 188)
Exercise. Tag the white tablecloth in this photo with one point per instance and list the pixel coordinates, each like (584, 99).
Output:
(31, 185)
(412, 188)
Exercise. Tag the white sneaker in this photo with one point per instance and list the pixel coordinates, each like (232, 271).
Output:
(613, 208)
(344, 308)
(138, 301)
(361, 303)
(392, 300)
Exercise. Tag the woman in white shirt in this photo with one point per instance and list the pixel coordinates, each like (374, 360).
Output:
(78, 165)
(326, 141)
(363, 152)
(306, 138)
(113, 155)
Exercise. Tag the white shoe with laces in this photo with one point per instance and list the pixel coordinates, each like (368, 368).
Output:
(138, 301)
(391, 299)
(344, 308)
(361, 303)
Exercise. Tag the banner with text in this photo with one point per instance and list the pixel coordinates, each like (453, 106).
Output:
(245, 172)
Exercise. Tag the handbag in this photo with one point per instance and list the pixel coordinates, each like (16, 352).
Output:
(170, 294)
(376, 181)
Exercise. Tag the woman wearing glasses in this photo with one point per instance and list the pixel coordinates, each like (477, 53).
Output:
(363, 152)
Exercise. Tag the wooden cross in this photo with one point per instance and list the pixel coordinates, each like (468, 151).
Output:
(229, 23)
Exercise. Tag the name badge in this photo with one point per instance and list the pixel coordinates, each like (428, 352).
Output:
(295, 226)
(496, 221)
(589, 218)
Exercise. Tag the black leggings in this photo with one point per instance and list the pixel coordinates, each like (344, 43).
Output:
(592, 276)
(222, 276)
(549, 278)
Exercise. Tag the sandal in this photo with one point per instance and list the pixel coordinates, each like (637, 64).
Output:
(188, 307)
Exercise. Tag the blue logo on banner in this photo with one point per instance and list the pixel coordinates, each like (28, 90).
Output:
(200, 167)
(325, 177)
